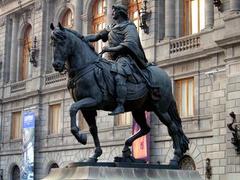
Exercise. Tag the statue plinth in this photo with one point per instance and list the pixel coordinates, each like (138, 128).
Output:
(103, 171)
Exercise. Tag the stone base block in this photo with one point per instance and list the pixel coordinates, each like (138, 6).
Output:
(118, 173)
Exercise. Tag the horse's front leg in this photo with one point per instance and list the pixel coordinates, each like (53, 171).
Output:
(89, 116)
(75, 107)
(139, 116)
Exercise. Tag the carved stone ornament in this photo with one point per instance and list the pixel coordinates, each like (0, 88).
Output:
(24, 17)
(2, 21)
(64, 1)
(38, 5)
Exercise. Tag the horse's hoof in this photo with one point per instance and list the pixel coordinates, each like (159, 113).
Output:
(126, 152)
(91, 160)
(174, 163)
(83, 139)
(98, 152)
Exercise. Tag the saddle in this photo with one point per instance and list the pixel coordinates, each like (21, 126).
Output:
(136, 85)
(136, 88)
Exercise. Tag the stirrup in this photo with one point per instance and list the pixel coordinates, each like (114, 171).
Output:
(118, 110)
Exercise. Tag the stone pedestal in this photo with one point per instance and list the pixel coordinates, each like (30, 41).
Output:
(112, 173)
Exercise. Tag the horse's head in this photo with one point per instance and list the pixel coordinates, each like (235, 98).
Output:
(61, 44)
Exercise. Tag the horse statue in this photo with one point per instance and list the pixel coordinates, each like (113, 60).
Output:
(91, 85)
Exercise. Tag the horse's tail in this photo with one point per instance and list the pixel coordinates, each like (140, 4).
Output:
(173, 112)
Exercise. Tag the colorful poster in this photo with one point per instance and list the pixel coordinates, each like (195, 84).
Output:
(141, 146)
(27, 170)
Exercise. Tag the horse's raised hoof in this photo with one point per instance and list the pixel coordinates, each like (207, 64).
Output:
(74, 130)
(83, 139)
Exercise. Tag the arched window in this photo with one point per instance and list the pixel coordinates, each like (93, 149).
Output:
(133, 12)
(53, 165)
(67, 19)
(15, 174)
(27, 44)
(98, 20)
(187, 163)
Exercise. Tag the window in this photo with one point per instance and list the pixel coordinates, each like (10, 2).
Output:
(82, 124)
(67, 19)
(54, 119)
(15, 174)
(27, 44)
(52, 166)
(16, 125)
(184, 93)
(194, 16)
(123, 119)
(98, 21)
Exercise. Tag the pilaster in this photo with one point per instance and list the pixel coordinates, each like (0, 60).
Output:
(209, 14)
(170, 19)
(14, 43)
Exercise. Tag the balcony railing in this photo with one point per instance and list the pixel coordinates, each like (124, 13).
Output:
(54, 78)
(184, 44)
(18, 86)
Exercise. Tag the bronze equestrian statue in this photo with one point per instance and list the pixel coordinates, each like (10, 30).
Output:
(93, 83)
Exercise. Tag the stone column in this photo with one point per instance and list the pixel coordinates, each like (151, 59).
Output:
(170, 19)
(209, 14)
(14, 43)
(109, 12)
(77, 17)
(234, 5)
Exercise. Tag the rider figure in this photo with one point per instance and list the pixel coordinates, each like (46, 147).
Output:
(124, 47)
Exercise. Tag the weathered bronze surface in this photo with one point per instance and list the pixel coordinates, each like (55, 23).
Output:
(128, 83)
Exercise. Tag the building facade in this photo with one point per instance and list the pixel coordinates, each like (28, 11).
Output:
(196, 41)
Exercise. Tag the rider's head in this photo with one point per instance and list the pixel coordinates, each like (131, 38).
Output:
(120, 10)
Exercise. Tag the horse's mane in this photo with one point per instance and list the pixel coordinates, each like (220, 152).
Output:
(82, 38)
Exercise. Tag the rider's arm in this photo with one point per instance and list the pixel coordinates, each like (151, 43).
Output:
(95, 37)
(113, 49)
(92, 37)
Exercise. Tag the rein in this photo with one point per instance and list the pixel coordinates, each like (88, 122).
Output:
(81, 72)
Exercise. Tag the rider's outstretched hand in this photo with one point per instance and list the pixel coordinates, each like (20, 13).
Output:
(104, 49)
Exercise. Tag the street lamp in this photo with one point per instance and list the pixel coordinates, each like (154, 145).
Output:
(235, 129)
(218, 4)
(144, 15)
(33, 52)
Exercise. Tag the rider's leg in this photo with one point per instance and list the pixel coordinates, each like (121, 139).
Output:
(121, 91)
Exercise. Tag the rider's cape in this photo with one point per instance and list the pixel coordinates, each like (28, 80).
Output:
(125, 34)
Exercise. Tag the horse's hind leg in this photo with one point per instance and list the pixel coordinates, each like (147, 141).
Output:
(139, 117)
(89, 116)
(75, 107)
(173, 122)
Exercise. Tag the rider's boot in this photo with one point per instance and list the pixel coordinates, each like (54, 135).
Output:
(121, 91)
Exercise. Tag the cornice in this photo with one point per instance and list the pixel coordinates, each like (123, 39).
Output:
(23, 96)
(229, 40)
(13, 6)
